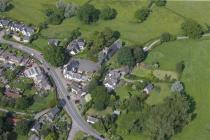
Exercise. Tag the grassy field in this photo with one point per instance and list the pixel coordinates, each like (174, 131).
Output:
(164, 19)
(196, 56)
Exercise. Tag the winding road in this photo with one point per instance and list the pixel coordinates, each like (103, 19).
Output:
(69, 107)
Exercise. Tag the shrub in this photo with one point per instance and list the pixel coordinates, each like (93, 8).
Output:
(160, 2)
(88, 13)
(166, 37)
(142, 14)
(108, 13)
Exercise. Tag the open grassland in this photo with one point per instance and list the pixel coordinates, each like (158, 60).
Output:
(164, 19)
(196, 75)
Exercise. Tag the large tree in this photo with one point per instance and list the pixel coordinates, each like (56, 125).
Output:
(168, 118)
(56, 56)
(108, 13)
(139, 54)
(22, 127)
(192, 29)
(100, 97)
(88, 13)
(125, 56)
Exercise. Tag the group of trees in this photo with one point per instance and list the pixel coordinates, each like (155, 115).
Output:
(10, 132)
(101, 40)
(166, 37)
(142, 14)
(130, 56)
(88, 14)
(192, 29)
(4, 5)
(56, 56)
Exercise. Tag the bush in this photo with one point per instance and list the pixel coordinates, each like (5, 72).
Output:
(142, 14)
(108, 13)
(160, 2)
(166, 37)
(87, 13)
(192, 29)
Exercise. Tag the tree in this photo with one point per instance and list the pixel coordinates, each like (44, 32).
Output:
(54, 16)
(4, 4)
(105, 38)
(192, 29)
(165, 120)
(125, 57)
(166, 37)
(87, 13)
(142, 14)
(160, 2)
(180, 67)
(60, 4)
(56, 56)
(51, 136)
(136, 103)
(24, 102)
(22, 127)
(70, 10)
(108, 13)
(139, 54)
(100, 98)
(177, 86)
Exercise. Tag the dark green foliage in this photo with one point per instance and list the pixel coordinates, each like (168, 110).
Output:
(168, 118)
(22, 127)
(105, 38)
(108, 13)
(24, 102)
(87, 13)
(100, 98)
(139, 54)
(166, 37)
(54, 16)
(136, 103)
(180, 67)
(102, 39)
(160, 2)
(56, 56)
(142, 14)
(192, 29)
(125, 57)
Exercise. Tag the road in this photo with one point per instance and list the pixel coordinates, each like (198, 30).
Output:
(69, 107)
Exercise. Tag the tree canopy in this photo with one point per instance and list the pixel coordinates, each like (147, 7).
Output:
(56, 56)
(100, 97)
(108, 13)
(142, 14)
(125, 57)
(192, 29)
(22, 127)
(87, 13)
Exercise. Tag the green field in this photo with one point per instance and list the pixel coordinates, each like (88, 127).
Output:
(161, 19)
(196, 75)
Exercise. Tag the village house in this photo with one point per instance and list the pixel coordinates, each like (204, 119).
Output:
(108, 52)
(36, 127)
(92, 120)
(112, 78)
(4, 23)
(8, 57)
(78, 89)
(12, 94)
(80, 70)
(76, 46)
(148, 88)
(34, 72)
(52, 114)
